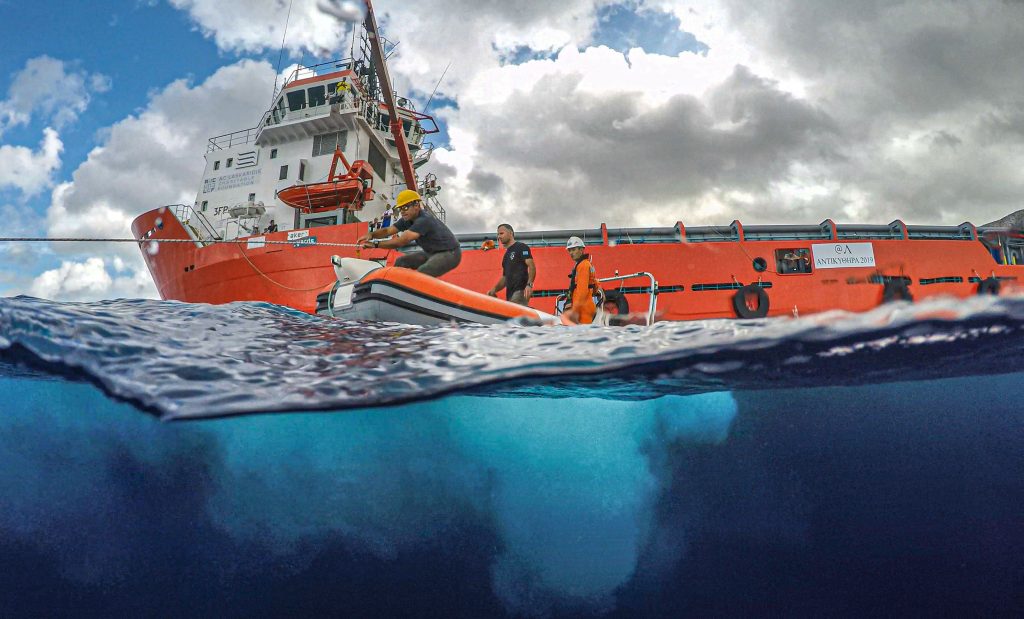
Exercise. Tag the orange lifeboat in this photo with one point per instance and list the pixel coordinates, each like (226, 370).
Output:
(349, 189)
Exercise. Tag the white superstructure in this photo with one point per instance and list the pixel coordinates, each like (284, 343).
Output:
(318, 109)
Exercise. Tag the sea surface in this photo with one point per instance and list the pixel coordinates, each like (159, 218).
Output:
(170, 459)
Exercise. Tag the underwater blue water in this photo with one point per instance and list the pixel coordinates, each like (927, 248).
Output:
(831, 465)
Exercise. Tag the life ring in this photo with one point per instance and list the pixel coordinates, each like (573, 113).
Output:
(743, 309)
(896, 290)
(989, 285)
(617, 300)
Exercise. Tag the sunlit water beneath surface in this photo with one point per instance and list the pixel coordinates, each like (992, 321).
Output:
(828, 465)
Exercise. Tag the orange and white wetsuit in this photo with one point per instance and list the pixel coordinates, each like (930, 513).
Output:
(582, 286)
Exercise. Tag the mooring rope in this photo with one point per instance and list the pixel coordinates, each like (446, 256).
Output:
(235, 242)
(31, 239)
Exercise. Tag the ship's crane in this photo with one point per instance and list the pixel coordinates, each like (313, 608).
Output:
(351, 11)
(377, 56)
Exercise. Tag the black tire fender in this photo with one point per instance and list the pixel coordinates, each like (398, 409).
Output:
(989, 285)
(896, 290)
(743, 310)
(617, 299)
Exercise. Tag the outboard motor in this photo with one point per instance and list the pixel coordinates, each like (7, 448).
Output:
(348, 271)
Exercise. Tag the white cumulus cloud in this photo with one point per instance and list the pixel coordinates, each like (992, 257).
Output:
(27, 170)
(90, 280)
(51, 89)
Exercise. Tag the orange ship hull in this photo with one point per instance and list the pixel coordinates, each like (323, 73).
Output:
(697, 280)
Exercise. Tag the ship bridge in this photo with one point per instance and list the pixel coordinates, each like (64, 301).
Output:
(335, 96)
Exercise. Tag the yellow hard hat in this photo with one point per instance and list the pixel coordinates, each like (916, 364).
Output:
(406, 196)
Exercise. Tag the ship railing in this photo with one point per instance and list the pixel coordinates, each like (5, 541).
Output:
(550, 238)
(276, 116)
(235, 138)
(652, 305)
(423, 155)
(867, 232)
(195, 224)
(708, 234)
(323, 68)
(243, 226)
(639, 236)
(434, 206)
(786, 233)
(946, 233)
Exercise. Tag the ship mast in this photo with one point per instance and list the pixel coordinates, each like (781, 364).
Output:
(377, 55)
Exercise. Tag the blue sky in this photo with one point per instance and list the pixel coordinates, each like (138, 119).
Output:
(138, 45)
(656, 110)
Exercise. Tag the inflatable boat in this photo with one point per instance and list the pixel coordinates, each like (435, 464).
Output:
(366, 290)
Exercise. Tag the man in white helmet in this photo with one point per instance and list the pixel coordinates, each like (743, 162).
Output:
(441, 252)
(582, 284)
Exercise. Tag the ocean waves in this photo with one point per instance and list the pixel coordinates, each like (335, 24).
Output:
(180, 360)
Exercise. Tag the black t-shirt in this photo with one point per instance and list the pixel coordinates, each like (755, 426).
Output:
(513, 267)
(434, 235)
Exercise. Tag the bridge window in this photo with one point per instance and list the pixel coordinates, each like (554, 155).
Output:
(252, 197)
(273, 153)
(296, 100)
(316, 96)
(284, 173)
(326, 143)
(205, 202)
(317, 222)
(216, 165)
(230, 161)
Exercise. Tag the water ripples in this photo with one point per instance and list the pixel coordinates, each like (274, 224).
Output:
(185, 360)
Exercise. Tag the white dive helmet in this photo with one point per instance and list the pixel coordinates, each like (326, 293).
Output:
(574, 241)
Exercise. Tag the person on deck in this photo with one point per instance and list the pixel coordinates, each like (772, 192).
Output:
(272, 227)
(582, 284)
(518, 269)
(441, 252)
(385, 221)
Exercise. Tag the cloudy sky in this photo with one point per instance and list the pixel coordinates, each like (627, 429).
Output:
(555, 114)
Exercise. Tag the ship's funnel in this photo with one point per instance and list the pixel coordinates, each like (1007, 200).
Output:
(344, 10)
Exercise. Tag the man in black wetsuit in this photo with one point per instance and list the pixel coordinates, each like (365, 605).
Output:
(441, 252)
(518, 269)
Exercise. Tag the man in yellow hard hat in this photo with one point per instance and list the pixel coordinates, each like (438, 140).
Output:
(441, 252)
